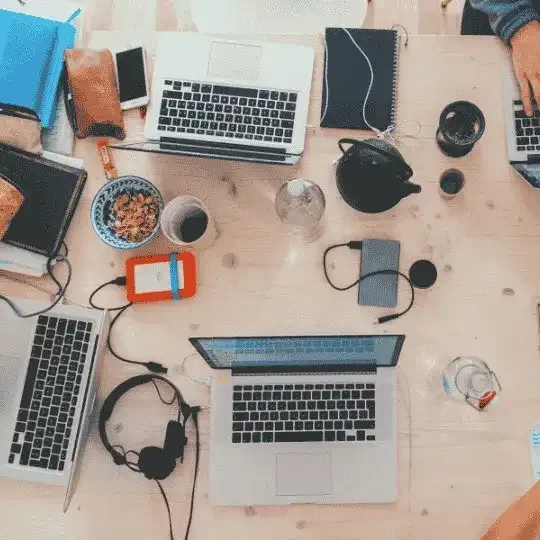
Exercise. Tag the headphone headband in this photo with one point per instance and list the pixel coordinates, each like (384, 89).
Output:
(124, 387)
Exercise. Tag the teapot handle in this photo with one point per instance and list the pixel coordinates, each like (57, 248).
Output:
(341, 142)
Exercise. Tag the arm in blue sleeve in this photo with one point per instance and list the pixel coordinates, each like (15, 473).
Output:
(507, 16)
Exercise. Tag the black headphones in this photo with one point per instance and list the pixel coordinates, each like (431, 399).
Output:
(154, 462)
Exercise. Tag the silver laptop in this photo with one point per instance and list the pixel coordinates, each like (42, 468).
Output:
(307, 419)
(47, 388)
(223, 98)
(522, 133)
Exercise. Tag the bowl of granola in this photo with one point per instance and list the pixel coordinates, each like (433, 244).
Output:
(125, 212)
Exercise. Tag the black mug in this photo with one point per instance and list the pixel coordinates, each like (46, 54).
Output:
(461, 125)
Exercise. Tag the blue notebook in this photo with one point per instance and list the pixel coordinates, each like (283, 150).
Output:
(31, 61)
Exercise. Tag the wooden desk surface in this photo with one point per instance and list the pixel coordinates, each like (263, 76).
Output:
(466, 466)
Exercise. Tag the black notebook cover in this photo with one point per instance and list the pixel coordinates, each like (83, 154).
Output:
(349, 77)
(51, 193)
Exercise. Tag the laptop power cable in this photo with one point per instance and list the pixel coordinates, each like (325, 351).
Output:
(120, 281)
(357, 245)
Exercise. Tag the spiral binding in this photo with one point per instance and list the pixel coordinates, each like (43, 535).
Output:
(395, 81)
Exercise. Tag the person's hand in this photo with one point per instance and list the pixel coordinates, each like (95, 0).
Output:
(526, 56)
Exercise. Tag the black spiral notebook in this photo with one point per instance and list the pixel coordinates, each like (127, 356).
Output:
(51, 194)
(349, 77)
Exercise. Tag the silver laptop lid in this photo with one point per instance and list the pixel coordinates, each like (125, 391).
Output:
(312, 352)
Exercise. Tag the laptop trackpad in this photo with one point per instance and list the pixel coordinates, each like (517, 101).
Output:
(304, 474)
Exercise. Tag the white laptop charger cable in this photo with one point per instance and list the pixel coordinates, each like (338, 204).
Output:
(205, 381)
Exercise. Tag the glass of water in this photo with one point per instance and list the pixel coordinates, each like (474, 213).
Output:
(300, 206)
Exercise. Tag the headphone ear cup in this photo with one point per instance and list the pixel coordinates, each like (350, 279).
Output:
(155, 463)
(175, 439)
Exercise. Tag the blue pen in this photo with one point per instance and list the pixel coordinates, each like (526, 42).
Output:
(74, 15)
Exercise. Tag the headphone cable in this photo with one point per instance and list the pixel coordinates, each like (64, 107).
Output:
(168, 508)
(194, 415)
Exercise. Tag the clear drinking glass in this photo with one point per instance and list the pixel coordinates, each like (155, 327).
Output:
(300, 206)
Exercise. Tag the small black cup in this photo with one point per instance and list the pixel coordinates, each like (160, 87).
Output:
(461, 125)
(451, 183)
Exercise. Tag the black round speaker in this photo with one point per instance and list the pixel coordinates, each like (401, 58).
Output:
(423, 274)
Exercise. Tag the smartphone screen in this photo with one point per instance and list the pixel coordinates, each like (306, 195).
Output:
(131, 76)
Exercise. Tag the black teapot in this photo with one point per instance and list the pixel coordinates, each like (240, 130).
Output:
(372, 176)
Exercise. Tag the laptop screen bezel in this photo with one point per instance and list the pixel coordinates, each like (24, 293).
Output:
(195, 341)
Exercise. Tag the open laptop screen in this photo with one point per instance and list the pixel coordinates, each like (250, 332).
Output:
(229, 352)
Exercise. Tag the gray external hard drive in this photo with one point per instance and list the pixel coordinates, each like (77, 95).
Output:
(379, 290)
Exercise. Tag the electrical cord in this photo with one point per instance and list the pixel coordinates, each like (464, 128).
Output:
(164, 495)
(194, 415)
(207, 381)
(120, 281)
(61, 289)
(350, 245)
(357, 245)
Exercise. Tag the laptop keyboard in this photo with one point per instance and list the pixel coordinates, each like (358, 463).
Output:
(303, 413)
(51, 391)
(527, 130)
(248, 114)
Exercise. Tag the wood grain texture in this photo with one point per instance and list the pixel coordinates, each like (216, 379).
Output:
(466, 466)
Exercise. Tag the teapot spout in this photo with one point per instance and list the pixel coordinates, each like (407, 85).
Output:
(409, 188)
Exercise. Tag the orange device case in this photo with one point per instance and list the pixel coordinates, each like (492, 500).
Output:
(188, 266)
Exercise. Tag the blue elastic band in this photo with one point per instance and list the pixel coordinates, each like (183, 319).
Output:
(173, 268)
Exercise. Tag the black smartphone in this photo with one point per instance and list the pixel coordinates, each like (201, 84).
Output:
(378, 290)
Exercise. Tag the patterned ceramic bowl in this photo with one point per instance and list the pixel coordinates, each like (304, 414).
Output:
(102, 213)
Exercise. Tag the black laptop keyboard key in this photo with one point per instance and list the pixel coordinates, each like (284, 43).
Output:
(298, 436)
(303, 415)
(236, 438)
(25, 454)
(29, 383)
(371, 409)
(368, 394)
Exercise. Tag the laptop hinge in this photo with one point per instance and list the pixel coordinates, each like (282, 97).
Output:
(533, 158)
(217, 146)
(303, 370)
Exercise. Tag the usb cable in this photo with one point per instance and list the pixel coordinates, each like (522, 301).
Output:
(357, 245)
